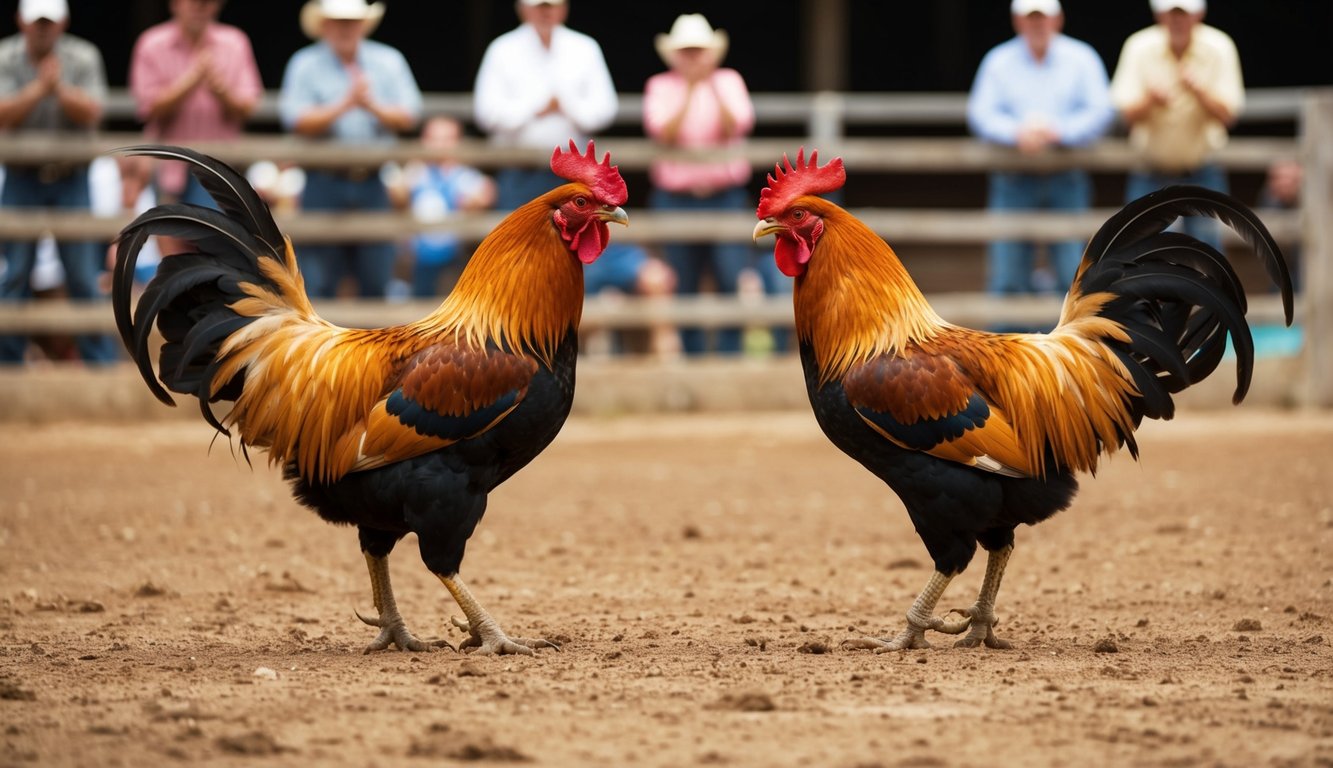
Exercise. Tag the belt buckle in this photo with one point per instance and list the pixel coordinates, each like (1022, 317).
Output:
(50, 173)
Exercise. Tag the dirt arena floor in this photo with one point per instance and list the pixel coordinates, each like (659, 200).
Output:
(163, 605)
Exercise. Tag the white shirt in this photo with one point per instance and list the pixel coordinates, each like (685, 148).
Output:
(518, 76)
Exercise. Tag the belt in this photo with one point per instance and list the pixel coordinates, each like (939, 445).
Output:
(356, 173)
(48, 173)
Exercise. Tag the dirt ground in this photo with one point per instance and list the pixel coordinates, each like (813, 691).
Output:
(162, 604)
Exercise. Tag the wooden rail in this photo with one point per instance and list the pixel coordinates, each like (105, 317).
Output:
(889, 155)
(785, 108)
(978, 310)
(962, 226)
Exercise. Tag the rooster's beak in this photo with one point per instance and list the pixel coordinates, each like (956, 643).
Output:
(616, 215)
(766, 227)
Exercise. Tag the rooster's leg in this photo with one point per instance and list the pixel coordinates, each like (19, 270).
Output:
(485, 635)
(920, 617)
(982, 615)
(392, 629)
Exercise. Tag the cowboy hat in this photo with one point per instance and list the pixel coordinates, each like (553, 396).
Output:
(314, 12)
(691, 30)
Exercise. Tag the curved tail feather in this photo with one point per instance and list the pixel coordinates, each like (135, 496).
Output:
(240, 254)
(1177, 298)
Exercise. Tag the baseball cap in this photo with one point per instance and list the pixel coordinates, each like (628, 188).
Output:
(1044, 7)
(32, 10)
(1188, 6)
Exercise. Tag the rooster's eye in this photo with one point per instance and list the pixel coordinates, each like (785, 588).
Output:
(798, 214)
(581, 201)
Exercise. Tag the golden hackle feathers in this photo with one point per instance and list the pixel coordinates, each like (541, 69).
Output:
(856, 301)
(522, 288)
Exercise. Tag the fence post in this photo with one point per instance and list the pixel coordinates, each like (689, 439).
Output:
(1317, 247)
(826, 120)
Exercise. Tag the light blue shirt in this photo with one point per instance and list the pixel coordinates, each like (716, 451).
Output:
(316, 77)
(1068, 91)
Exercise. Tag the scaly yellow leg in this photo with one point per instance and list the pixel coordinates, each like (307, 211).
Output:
(392, 629)
(485, 635)
(982, 615)
(920, 617)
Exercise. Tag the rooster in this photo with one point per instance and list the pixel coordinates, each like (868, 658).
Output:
(978, 432)
(393, 430)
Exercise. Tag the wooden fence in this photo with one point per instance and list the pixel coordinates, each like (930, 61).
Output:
(823, 120)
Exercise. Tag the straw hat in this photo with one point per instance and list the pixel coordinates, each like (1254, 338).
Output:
(314, 12)
(692, 30)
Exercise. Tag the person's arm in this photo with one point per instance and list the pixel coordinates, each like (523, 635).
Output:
(666, 101)
(317, 119)
(401, 109)
(166, 101)
(733, 101)
(1131, 92)
(81, 92)
(588, 97)
(987, 115)
(298, 108)
(239, 94)
(500, 104)
(668, 132)
(1091, 117)
(16, 108)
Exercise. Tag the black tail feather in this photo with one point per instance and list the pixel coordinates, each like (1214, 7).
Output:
(1178, 299)
(1152, 213)
(188, 300)
(233, 194)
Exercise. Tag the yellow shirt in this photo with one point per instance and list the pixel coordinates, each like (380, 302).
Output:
(1181, 134)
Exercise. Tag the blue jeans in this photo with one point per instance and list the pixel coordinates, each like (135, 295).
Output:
(1140, 183)
(82, 260)
(691, 260)
(1010, 263)
(323, 265)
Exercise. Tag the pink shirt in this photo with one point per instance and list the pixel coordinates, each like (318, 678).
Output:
(663, 96)
(161, 54)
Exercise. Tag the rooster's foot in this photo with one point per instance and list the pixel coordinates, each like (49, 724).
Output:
(983, 624)
(394, 632)
(491, 640)
(911, 638)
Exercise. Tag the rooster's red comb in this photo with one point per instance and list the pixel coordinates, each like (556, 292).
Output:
(602, 178)
(787, 183)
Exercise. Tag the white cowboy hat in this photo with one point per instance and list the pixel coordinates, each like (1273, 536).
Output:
(314, 12)
(691, 30)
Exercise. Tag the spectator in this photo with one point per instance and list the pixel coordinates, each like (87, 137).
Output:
(352, 90)
(540, 85)
(627, 269)
(697, 104)
(1178, 85)
(433, 190)
(193, 79)
(51, 83)
(1037, 92)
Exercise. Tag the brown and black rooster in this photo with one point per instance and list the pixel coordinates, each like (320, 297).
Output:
(393, 430)
(978, 432)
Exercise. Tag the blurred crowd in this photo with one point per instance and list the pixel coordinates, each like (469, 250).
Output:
(1177, 87)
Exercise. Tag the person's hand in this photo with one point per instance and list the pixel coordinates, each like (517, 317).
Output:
(1190, 81)
(48, 72)
(360, 91)
(1034, 138)
(552, 107)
